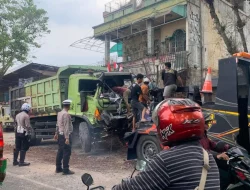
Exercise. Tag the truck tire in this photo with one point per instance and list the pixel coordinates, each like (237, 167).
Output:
(84, 136)
(34, 141)
(147, 147)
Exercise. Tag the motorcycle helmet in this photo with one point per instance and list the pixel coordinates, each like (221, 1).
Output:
(178, 120)
(26, 107)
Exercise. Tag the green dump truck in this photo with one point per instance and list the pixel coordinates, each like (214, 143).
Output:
(97, 112)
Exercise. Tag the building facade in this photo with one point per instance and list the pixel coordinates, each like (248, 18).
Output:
(179, 31)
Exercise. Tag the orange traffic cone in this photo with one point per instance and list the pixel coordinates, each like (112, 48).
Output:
(207, 87)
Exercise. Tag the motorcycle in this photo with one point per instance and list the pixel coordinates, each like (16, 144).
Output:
(88, 180)
(239, 169)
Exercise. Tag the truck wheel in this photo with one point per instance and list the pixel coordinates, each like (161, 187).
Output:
(76, 139)
(34, 141)
(147, 147)
(85, 138)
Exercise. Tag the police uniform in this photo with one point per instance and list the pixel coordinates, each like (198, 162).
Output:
(64, 131)
(22, 132)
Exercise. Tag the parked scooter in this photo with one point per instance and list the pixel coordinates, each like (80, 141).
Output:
(88, 180)
(239, 169)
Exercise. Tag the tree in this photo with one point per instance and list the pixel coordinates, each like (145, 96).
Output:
(221, 28)
(21, 25)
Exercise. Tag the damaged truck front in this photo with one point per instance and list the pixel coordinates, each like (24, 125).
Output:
(96, 111)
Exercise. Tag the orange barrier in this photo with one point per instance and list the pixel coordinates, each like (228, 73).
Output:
(207, 87)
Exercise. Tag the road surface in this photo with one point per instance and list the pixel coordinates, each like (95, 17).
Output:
(106, 169)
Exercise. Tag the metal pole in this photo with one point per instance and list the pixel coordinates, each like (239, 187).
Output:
(107, 49)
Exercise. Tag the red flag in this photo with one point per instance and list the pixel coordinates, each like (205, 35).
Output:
(108, 68)
(121, 68)
(115, 65)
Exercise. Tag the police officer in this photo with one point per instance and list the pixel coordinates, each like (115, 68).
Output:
(22, 132)
(63, 135)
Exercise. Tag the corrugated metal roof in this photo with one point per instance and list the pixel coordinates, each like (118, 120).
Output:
(26, 65)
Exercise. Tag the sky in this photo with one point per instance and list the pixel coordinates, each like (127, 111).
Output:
(69, 21)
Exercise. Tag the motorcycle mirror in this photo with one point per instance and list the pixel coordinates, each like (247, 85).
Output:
(98, 188)
(140, 165)
(87, 179)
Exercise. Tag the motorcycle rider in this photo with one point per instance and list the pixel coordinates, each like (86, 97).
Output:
(22, 132)
(180, 167)
(220, 157)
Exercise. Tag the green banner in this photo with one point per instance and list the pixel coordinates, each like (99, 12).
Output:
(117, 48)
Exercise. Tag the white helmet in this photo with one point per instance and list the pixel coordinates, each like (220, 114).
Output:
(26, 107)
(146, 80)
(67, 102)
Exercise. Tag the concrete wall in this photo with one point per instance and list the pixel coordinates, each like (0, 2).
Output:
(213, 46)
(204, 44)
(194, 42)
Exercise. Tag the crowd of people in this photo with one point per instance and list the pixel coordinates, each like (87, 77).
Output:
(187, 164)
(139, 92)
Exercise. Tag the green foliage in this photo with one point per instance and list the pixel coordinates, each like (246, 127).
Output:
(21, 24)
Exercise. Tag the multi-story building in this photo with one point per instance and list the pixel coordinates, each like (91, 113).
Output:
(180, 31)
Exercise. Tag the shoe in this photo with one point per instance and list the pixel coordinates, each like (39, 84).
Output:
(24, 164)
(22, 158)
(59, 170)
(15, 163)
(68, 172)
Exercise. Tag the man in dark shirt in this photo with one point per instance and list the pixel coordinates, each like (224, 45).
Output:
(169, 77)
(137, 107)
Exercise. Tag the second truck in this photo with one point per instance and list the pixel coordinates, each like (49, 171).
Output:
(97, 112)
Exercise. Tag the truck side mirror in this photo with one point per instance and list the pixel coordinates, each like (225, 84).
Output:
(83, 97)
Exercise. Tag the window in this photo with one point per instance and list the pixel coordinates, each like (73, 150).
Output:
(88, 85)
(177, 42)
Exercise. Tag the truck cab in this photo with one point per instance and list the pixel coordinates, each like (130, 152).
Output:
(103, 110)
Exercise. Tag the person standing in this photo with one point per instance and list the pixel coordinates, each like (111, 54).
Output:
(137, 106)
(22, 132)
(169, 77)
(63, 136)
(144, 97)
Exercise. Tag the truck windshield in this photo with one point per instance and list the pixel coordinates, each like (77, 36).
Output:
(88, 85)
